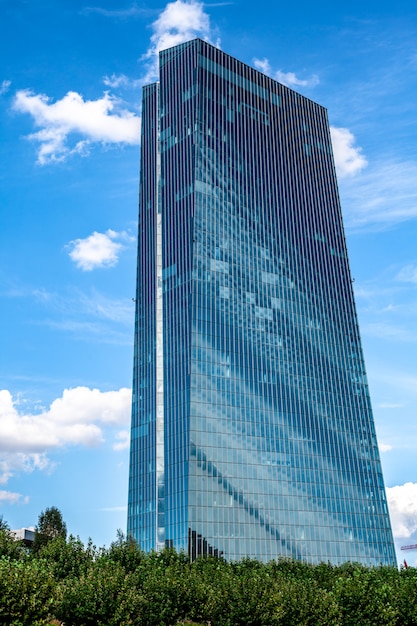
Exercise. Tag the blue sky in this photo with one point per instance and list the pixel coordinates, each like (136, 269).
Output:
(71, 74)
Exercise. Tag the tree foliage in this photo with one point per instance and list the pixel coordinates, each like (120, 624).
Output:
(80, 585)
(27, 591)
(9, 546)
(50, 526)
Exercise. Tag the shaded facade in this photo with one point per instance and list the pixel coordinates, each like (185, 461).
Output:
(252, 428)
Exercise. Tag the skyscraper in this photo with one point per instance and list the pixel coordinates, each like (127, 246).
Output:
(252, 428)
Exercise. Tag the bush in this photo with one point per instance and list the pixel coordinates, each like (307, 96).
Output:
(67, 559)
(99, 597)
(27, 592)
(122, 586)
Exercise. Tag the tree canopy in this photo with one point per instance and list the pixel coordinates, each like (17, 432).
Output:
(82, 585)
(50, 526)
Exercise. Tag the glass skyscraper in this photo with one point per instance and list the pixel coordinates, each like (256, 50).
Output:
(252, 429)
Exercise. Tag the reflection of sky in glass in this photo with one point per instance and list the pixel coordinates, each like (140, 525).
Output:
(269, 445)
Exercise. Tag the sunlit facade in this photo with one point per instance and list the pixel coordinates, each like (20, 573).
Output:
(252, 428)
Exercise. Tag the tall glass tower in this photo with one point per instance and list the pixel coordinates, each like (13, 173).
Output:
(252, 428)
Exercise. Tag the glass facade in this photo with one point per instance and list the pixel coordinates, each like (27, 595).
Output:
(252, 427)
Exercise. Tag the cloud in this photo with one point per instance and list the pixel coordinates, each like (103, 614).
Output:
(101, 307)
(289, 79)
(87, 121)
(384, 447)
(402, 381)
(132, 11)
(71, 125)
(123, 442)
(12, 462)
(263, 65)
(91, 310)
(389, 331)
(90, 332)
(4, 86)
(121, 81)
(97, 250)
(384, 195)
(71, 419)
(389, 405)
(408, 274)
(402, 501)
(179, 22)
(76, 418)
(90, 316)
(12, 498)
(349, 159)
(114, 509)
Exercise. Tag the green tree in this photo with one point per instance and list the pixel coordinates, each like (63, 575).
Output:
(103, 596)
(211, 587)
(407, 596)
(367, 596)
(163, 584)
(126, 552)
(50, 525)
(9, 545)
(27, 592)
(68, 559)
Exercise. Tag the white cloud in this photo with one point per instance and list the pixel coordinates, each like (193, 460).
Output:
(76, 418)
(289, 79)
(99, 306)
(348, 158)
(71, 125)
(4, 87)
(132, 11)
(114, 509)
(91, 312)
(84, 405)
(117, 81)
(408, 274)
(179, 22)
(90, 121)
(12, 498)
(389, 405)
(402, 382)
(90, 332)
(402, 501)
(71, 419)
(384, 447)
(12, 462)
(384, 195)
(263, 65)
(389, 331)
(123, 440)
(97, 250)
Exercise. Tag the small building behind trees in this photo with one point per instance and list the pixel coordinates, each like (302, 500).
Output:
(26, 535)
